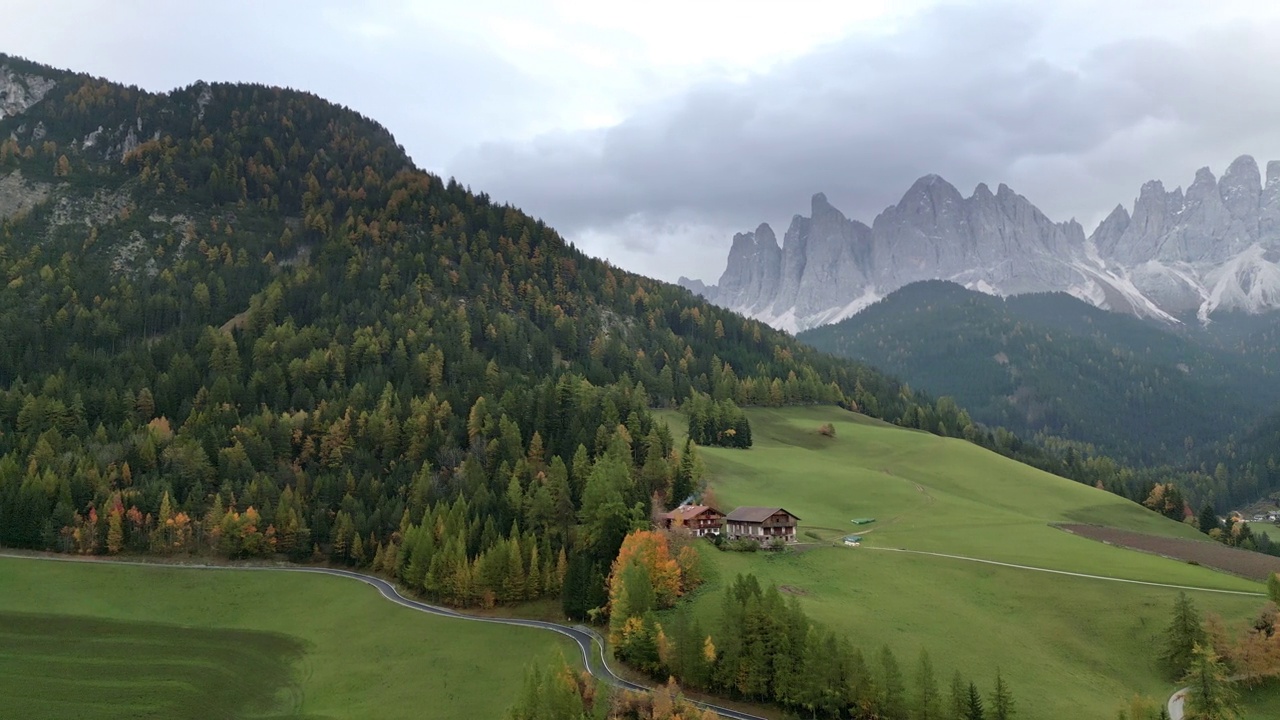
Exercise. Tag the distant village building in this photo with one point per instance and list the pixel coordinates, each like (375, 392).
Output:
(761, 524)
(701, 520)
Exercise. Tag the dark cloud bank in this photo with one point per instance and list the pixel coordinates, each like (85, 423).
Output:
(962, 92)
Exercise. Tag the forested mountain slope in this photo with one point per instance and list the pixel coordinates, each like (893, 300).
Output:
(1052, 365)
(238, 317)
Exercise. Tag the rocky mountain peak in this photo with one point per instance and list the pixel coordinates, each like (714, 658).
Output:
(750, 243)
(1245, 168)
(1151, 189)
(1203, 186)
(1175, 253)
(930, 188)
(1241, 188)
(1111, 230)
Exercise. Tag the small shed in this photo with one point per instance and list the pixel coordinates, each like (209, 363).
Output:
(853, 540)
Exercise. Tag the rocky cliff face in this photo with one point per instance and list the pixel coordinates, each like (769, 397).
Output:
(19, 91)
(1214, 247)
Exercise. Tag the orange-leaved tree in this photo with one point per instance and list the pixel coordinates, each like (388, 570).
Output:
(644, 577)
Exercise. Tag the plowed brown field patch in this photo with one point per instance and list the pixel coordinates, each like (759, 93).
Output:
(1246, 563)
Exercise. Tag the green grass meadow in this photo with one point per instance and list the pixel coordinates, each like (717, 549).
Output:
(82, 640)
(1070, 647)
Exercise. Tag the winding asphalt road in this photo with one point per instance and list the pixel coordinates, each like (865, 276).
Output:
(588, 640)
(1176, 703)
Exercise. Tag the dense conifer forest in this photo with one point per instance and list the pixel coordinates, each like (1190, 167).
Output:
(242, 322)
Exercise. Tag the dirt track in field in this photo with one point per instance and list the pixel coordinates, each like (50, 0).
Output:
(1245, 563)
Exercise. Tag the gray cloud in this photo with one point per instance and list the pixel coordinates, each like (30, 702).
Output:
(964, 92)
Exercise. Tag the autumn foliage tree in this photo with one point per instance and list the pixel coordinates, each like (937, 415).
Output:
(646, 577)
(561, 693)
(651, 550)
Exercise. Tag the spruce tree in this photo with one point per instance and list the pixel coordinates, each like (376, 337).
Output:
(1208, 519)
(927, 702)
(682, 484)
(956, 699)
(1001, 700)
(893, 693)
(1210, 695)
(973, 705)
(1185, 631)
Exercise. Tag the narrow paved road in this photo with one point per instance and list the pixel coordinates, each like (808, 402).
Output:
(588, 641)
(1066, 572)
(1176, 701)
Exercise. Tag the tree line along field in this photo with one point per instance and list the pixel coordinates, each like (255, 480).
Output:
(1069, 646)
(118, 641)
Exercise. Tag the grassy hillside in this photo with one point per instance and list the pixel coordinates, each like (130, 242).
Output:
(1081, 645)
(200, 644)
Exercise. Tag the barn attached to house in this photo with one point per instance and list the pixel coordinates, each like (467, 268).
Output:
(762, 524)
(701, 520)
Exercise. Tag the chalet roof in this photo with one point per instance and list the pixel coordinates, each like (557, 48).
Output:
(688, 512)
(754, 514)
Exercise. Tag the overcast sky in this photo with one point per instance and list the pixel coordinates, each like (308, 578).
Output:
(650, 132)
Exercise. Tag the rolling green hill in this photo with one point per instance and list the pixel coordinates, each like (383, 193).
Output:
(1069, 646)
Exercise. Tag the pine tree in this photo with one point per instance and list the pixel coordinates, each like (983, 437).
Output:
(893, 693)
(1185, 631)
(1001, 700)
(533, 578)
(634, 598)
(927, 701)
(973, 705)
(162, 538)
(562, 569)
(357, 549)
(956, 699)
(1210, 695)
(684, 484)
(115, 532)
(1208, 519)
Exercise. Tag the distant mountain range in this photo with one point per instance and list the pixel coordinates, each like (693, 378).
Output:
(1177, 257)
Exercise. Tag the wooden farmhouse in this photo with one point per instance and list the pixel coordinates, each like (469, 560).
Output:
(762, 524)
(701, 520)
